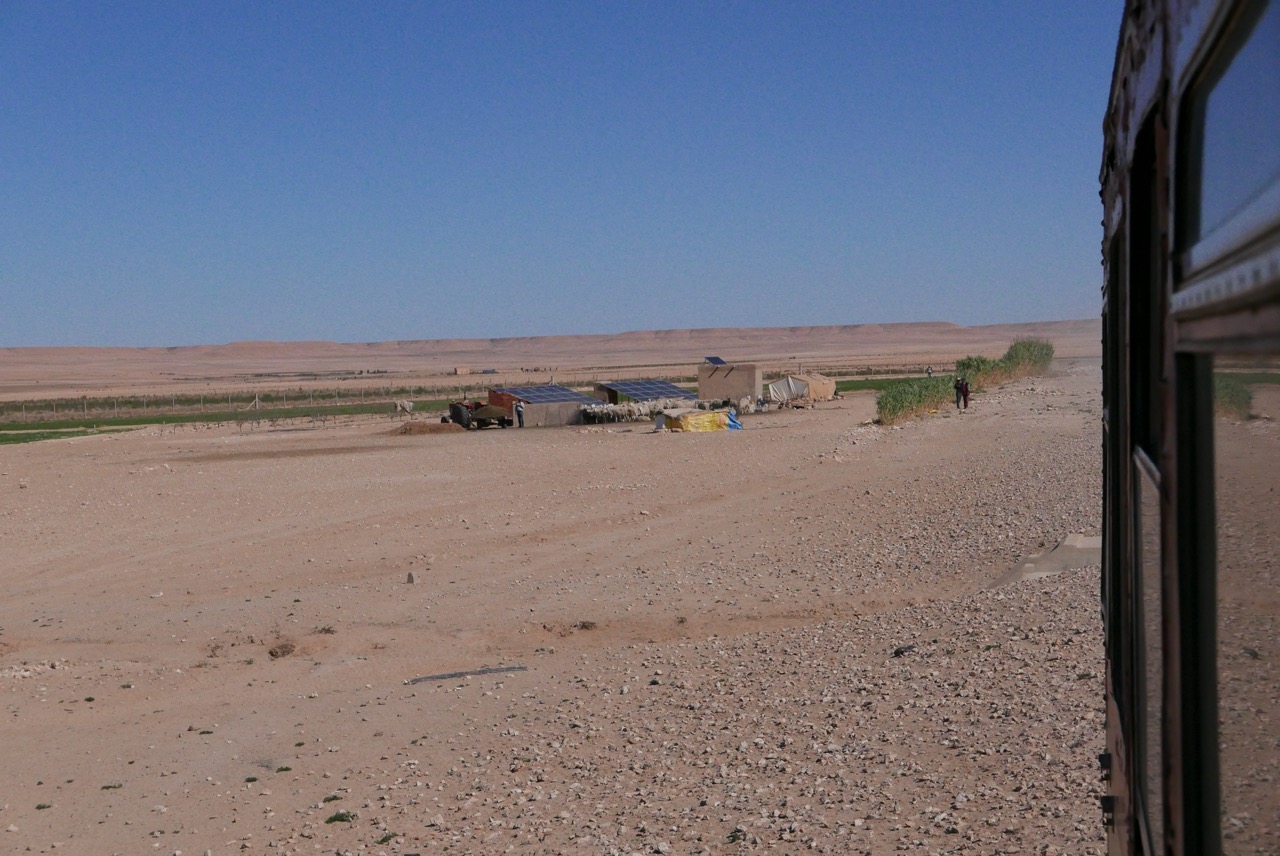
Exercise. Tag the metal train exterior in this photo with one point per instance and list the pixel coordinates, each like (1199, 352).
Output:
(1190, 186)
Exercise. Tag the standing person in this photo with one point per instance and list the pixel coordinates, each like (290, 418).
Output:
(959, 386)
(964, 393)
(929, 371)
(519, 414)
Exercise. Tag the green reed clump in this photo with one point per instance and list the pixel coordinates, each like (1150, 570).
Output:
(1030, 355)
(909, 398)
(977, 369)
(1024, 357)
(914, 397)
(1231, 396)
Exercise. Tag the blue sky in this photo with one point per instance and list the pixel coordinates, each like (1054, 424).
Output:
(199, 173)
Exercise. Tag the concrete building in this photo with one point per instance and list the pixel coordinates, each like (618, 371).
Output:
(730, 381)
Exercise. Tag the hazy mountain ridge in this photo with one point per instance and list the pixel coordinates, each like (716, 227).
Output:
(872, 344)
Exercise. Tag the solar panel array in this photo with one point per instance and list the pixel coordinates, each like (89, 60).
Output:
(547, 394)
(715, 361)
(648, 390)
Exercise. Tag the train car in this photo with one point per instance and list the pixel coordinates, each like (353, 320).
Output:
(1190, 185)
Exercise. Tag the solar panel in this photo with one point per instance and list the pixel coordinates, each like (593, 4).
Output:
(546, 394)
(648, 390)
(715, 361)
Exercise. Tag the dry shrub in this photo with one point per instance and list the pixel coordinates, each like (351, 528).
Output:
(281, 649)
(427, 428)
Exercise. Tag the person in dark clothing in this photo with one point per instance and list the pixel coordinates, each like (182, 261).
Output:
(519, 414)
(959, 385)
(964, 393)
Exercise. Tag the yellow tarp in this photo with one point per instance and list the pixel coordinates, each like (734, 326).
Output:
(695, 420)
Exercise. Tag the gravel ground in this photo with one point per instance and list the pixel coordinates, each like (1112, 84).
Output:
(965, 726)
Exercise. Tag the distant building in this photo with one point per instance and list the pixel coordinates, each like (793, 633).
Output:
(543, 405)
(461, 370)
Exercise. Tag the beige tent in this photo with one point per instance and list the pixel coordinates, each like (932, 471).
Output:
(814, 387)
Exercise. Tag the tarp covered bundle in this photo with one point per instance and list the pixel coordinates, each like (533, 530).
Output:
(696, 420)
(814, 387)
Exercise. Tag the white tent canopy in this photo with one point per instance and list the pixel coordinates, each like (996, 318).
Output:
(815, 387)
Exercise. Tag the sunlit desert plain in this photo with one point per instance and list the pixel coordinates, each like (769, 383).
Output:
(302, 637)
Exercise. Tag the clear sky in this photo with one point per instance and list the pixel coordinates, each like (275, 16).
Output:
(176, 173)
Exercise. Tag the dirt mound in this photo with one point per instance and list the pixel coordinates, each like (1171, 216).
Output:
(428, 428)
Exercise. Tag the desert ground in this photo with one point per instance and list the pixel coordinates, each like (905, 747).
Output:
(350, 639)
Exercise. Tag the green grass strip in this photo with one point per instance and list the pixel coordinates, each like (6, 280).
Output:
(878, 384)
(11, 437)
(91, 423)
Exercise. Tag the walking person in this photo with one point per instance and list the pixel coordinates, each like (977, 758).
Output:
(929, 371)
(959, 385)
(964, 393)
(519, 414)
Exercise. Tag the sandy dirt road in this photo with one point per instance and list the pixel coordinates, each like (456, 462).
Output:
(207, 633)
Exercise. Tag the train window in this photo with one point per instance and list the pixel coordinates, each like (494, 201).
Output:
(1114, 457)
(1152, 655)
(1247, 492)
(1146, 307)
(1230, 161)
